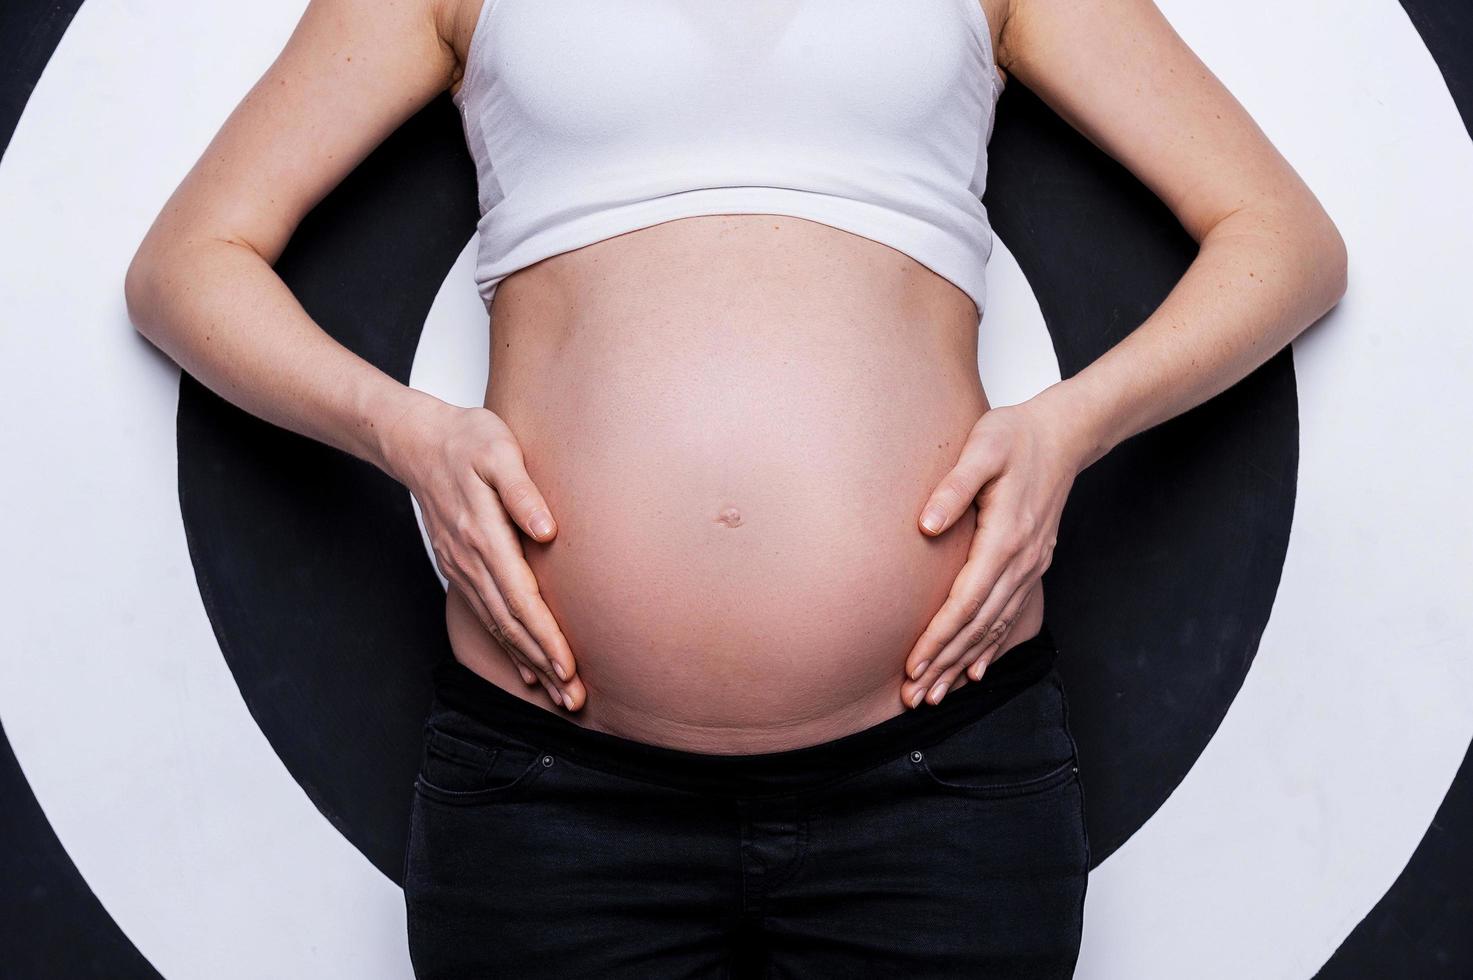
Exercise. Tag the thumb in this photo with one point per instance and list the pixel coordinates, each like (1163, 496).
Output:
(959, 488)
(519, 495)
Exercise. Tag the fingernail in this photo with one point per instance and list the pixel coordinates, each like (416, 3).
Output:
(541, 525)
(932, 519)
(939, 691)
(561, 673)
(567, 700)
(981, 670)
(915, 699)
(920, 669)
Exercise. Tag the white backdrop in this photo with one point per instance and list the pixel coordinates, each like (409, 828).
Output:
(1300, 813)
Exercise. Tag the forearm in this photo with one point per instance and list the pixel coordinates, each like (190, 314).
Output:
(222, 313)
(1258, 280)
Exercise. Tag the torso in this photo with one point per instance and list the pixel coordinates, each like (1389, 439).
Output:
(736, 420)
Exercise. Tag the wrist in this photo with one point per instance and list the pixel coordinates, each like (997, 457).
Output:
(1077, 420)
(399, 422)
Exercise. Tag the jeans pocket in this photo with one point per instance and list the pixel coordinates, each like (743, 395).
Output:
(461, 770)
(1020, 748)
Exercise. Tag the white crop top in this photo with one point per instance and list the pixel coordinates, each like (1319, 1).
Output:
(587, 119)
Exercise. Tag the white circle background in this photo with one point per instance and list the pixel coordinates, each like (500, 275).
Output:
(1300, 813)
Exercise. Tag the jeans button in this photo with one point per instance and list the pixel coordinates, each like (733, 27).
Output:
(546, 761)
(915, 755)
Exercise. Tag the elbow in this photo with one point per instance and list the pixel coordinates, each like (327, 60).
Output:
(1334, 263)
(136, 289)
(139, 288)
(1322, 258)
(1319, 253)
(1329, 256)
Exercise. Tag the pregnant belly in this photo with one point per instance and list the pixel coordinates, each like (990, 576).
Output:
(738, 566)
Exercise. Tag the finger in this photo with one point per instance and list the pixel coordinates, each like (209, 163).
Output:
(946, 683)
(508, 631)
(502, 552)
(472, 597)
(981, 461)
(967, 665)
(529, 676)
(913, 693)
(985, 653)
(518, 588)
(962, 680)
(517, 643)
(511, 635)
(505, 470)
(990, 553)
(959, 680)
(988, 628)
(553, 693)
(981, 656)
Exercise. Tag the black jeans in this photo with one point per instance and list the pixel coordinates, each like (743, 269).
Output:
(947, 841)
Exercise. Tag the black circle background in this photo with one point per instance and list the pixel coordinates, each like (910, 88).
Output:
(329, 614)
(314, 577)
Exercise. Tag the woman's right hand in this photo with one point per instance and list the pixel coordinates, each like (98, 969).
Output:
(465, 469)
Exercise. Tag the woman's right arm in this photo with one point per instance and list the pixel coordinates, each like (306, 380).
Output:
(202, 288)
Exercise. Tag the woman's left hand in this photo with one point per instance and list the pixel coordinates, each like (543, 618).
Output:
(1017, 468)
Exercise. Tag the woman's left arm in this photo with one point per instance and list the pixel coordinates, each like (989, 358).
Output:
(1270, 262)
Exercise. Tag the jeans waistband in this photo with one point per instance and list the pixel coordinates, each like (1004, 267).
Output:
(462, 689)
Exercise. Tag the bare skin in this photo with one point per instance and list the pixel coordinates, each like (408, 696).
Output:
(737, 565)
(734, 477)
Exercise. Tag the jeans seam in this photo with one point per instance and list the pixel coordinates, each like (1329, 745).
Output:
(1074, 747)
(408, 842)
(793, 868)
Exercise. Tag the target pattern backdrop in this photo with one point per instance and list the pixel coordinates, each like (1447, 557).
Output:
(215, 649)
